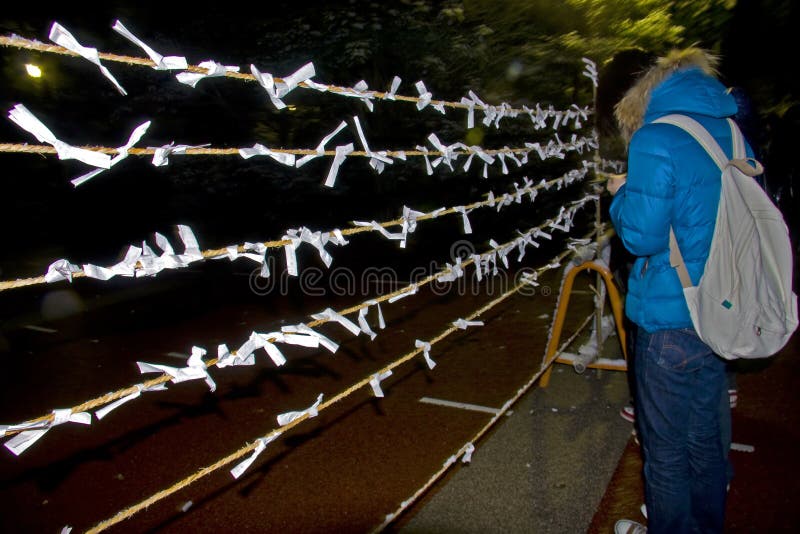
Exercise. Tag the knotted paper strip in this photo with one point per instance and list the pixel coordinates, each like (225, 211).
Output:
(161, 62)
(195, 368)
(286, 418)
(262, 444)
(22, 441)
(426, 352)
(28, 122)
(375, 382)
(102, 412)
(62, 37)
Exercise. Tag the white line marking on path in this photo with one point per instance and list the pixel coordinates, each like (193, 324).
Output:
(460, 405)
(40, 329)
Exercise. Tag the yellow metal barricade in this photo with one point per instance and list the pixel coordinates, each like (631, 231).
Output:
(561, 312)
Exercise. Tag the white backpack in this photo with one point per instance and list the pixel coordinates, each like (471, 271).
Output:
(743, 306)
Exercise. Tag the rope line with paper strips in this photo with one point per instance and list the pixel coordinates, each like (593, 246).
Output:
(304, 415)
(133, 264)
(100, 156)
(277, 87)
(199, 369)
(148, 263)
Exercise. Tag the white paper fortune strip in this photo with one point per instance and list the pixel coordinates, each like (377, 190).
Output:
(276, 90)
(260, 446)
(530, 278)
(60, 270)
(424, 95)
(104, 411)
(22, 441)
(286, 418)
(28, 122)
(330, 315)
(375, 382)
(452, 272)
(463, 211)
(590, 70)
(376, 159)
(426, 352)
(304, 329)
(288, 84)
(362, 318)
(360, 90)
(341, 154)
(401, 236)
(126, 267)
(195, 368)
(150, 264)
(410, 291)
(468, 450)
(320, 150)
(161, 62)
(227, 359)
(316, 239)
(266, 81)
(244, 354)
(470, 111)
(259, 257)
(261, 150)
(122, 153)
(463, 324)
(390, 95)
(213, 70)
(162, 153)
(267, 342)
(60, 36)
(449, 154)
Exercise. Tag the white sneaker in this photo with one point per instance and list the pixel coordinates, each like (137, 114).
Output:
(626, 526)
(628, 413)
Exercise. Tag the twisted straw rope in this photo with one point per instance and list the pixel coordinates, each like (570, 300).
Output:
(164, 378)
(207, 151)
(212, 253)
(29, 44)
(130, 511)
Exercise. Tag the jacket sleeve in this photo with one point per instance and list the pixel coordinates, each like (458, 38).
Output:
(641, 208)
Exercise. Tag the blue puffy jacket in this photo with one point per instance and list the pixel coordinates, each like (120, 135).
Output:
(671, 181)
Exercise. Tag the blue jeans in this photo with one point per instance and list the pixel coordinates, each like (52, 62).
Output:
(679, 384)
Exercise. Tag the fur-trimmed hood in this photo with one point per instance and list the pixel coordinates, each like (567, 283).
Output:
(683, 81)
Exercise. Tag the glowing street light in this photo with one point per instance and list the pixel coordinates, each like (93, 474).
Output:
(33, 71)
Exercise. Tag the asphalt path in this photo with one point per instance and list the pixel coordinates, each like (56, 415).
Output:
(342, 471)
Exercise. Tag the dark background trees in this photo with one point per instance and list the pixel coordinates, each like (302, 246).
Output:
(519, 51)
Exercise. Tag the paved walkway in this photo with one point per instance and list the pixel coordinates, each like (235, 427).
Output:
(543, 470)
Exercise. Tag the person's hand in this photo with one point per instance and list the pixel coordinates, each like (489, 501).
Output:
(615, 181)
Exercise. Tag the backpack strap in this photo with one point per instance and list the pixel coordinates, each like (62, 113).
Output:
(707, 141)
(748, 166)
(740, 159)
(710, 145)
(676, 260)
(701, 135)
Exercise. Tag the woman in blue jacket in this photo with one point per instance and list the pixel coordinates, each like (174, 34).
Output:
(671, 181)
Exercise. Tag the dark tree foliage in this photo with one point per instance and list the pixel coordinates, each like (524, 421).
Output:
(519, 51)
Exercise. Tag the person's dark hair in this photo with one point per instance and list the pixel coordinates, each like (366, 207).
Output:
(615, 78)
